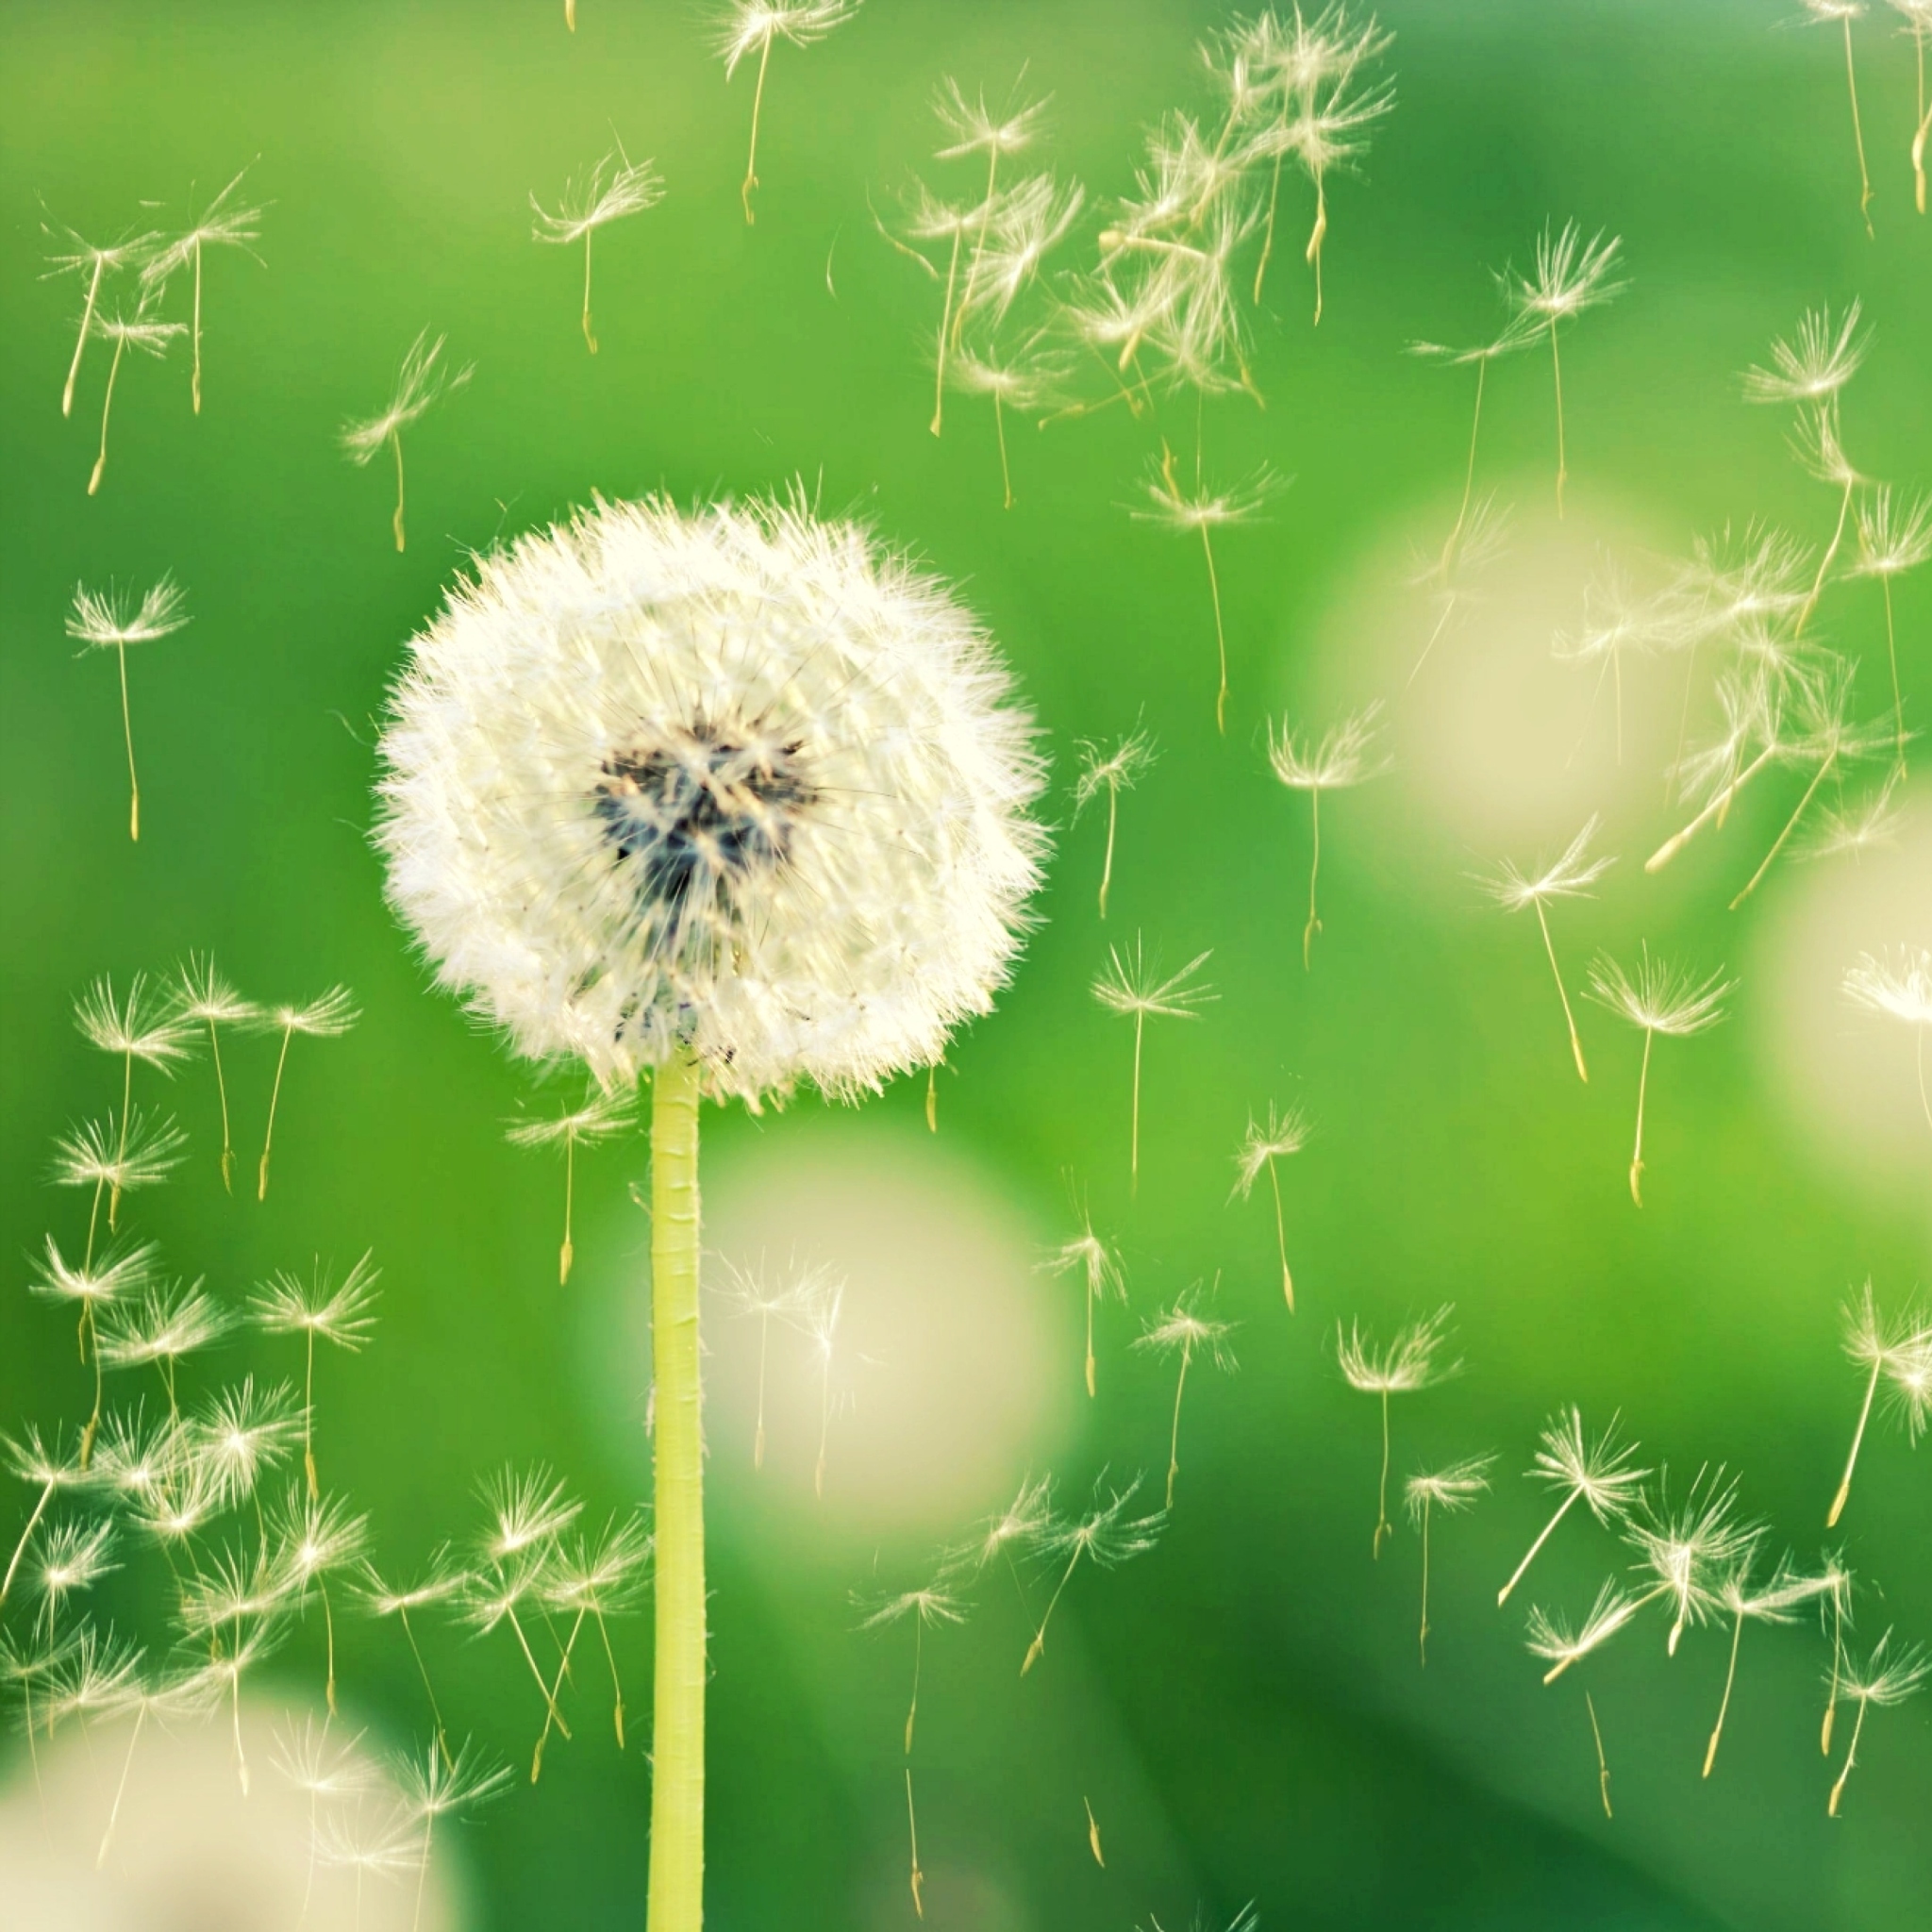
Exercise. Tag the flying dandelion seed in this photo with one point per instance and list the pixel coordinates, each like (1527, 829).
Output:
(1754, 713)
(145, 1027)
(96, 1285)
(141, 332)
(598, 1580)
(937, 1604)
(615, 188)
(326, 1017)
(1340, 760)
(1602, 1474)
(1098, 1264)
(1618, 623)
(1894, 538)
(1898, 984)
(208, 1000)
(598, 1119)
(441, 1582)
(1409, 1363)
(224, 222)
(752, 25)
(1842, 13)
(241, 1433)
(317, 1535)
(1918, 19)
(1111, 772)
(1856, 825)
(1691, 1550)
(1821, 357)
(1603, 1763)
(1658, 999)
(436, 1786)
(1896, 1356)
(1517, 335)
(324, 1772)
(1184, 511)
(1818, 443)
(107, 621)
(1133, 988)
(1026, 380)
(1470, 551)
(1326, 132)
(529, 1514)
(170, 1323)
(751, 1295)
(1106, 1536)
(1183, 1330)
(318, 1309)
(1551, 1638)
(1455, 1488)
(1883, 1679)
(1571, 276)
(423, 380)
(1093, 1834)
(52, 1471)
(821, 1301)
(1280, 1133)
(92, 262)
(1023, 1525)
(1778, 1601)
(1569, 878)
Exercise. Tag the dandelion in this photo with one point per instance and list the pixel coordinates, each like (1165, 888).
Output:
(224, 222)
(1412, 1362)
(318, 1309)
(140, 332)
(1326, 136)
(107, 621)
(1098, 1263)
(437, 1786)
(1551, 1638)
(1024, 1524)
(933, 220)
(821, 1301)
(93, 262)
(1820, 360)
(1842, 12)
(1658, 999)
(1882, 1680)
(1896, 1356)
(324, 1018)
(1470, 551)
(601, 1116)
(1617, 622)
(1340, 760)
(117, 1156)
(1688, 1551)
(748, 26)
(1275, 1138)
(1184, 1330)
(169, 1324)
(324, 1772)
(439, 1581)
(617, 187)
(1024, 381)
(1019, 229)
(423, 380)
(1112, 772)
(1571, 876)
(751, 1295)
(598, 1580)
(1601, 1475)
(1571, 275)
(243, 1432)
(1133, 988)
(1204, 510)
(1106, 1536)
(1898, 984)
(490, 1600)
(1777, 1602)
(316, 1535)
(51, 1470)
(145, 1026)
(1892, 538)
(1455, 1488)
(1514, 336)
(206, 999)
(937, 1604)
(978, 131)
(97, 1676)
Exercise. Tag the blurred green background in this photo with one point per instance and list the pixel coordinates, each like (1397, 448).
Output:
(1243, 1708)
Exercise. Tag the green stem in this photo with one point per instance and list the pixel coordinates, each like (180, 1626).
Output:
(677, 1718)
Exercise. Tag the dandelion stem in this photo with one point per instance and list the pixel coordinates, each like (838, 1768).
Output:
(1825, 562)
(1837, 1657)
(590, 335)
(1864, 215)
(750, 181)
(328, 1626)
(1220, 634)
(93, 482)
(1719, 803)
(1113, 813)
(25, 1536)
(1898, 703)
(554, 1693)
(268, 1138)
(395, 442)
(1724, 1705)
(999, 424)
(917, 1877)
(1844, 1487)
(1556, 366)
(1637, 1150)
(1818, 777)
(309, 1415)
(985, 212)
(939, 385)
(194, 377)
(1603, 1763)
(1851, 1759)
(1174, 1446)
(214, 1047)
(677, 1714)
(1548, 1530)
(1422, 1637)
(1314, 924)
(1037, 1648)
(127, 732)
(428, 1689)
(121, 1788)
(93, 289)
(1383, 1527)
(1313, 253)
(616, 1682)
(1281, 1236)
(757, 1437)
(1268, 228)
(1089, 1344)
(1134, 1138)
(918, 1653)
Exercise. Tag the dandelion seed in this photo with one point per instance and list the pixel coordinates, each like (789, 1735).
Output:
(1603, 1763)
(1106, 1536)
(1819, 445)
(1777, 1602)
(1571, 276)
(105, 620)
(751, 1295)
(206, 999)
(1023, 1525)
(224, 222)
(1816, 363)
(1616, 622)
(242, 1433)
(1754, 715)
(1658, 999)
(1691, 1550)
(1455, 1488)
(1133, 988)
(601, 1580)
(1093, 1834)
(1098, 1263)
(439, 1581)
(1203, 510)
(111, 1281)
(1018, 229)
(1025, 380)
(167, 1326)
(1571, 876)
(490, 1600)
(1182, 1329)
(423, 380)
(821, 1301)
(1112, 772)
(120, 1153)
(1837, 1594)
(1275, 1138)
(1856, 825)
(323, 1774)
(978, 131)
(97, 1675)
(1883, 1679)
(436, 1786)
(1898, 984)
(616, 187)
(145, 1027)
(1326, 135)
(937, 1604)
(1897, 1358)
(1409, 1363)
(1601, 1475)
(1843, 13)
(598, 1119)
(1470, 551)
(140, 332)
(316, 1535)
(1340, 760)
(326, 1017)
(1892, 538)
(52, 1469)
(373, 1841)
(317, 1310)
(93, 263)
(1551, 1638)
(1516, 336)
(745, 25)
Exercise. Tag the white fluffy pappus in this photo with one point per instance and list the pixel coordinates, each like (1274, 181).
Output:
(735, 779)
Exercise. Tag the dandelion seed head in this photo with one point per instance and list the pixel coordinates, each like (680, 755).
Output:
(1886, 1676)
(168, 1323)
(614, 188)
(112, 1277)
(1570, 876)
(1571, 275)
(1603, 1472)
(1279, 1133)
(1106, 1535)
(423, 380)
(1858, 824)
(434, 1784)
(1114, 770)
(604, 1578)
(598, 1119)
(108, 620)
(1454, 1487)
(1819, 359)
(976, 130)
(145, 1025)
(141, 331)
(1342, 756)
(1551, 1638)
(750, 27)
(528, 1511)
(1659, 998)
(1897, 983)
(935, 1604)
(1020, 1527)
(1092, 1257)
(1412, 1361)
(1187, 511)
(97, 1154)
(205, 997)
(330, 1770)
(319, 1307)
(241, 1432)
(1183, 1327)
(1689, 1550)
(1894, 534)
(438, 1581)
(226, 222)
(1132, 986)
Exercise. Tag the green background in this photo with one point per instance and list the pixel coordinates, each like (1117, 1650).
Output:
(1249, 1693)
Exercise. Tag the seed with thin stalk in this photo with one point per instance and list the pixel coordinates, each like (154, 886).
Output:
(1820, 358)
(224, 222)
(493, 1597)
(1840, 13)
(1017, 230)
(318, 1309)
(241, 1432)
(1552, 1638)
(316, 1536)
(1342, 757)
(1280, 1133)
(110, 621)
(1894, 536)
(101, 1283)
(598, 1119)
(145, 1025)
(1856, 825)
(1452, 1488)
(324, 1018)
(208, 1000)
(434, 1786)
(1410, 1362)
(937, 1604)
(598, 1579)
(1516, 335)
(1571, 876)
(977, 130)
(1132, 986)
(1325, 135)
(1111, 772)
(1688, 1551)
(52, 1469)
(1023, 380)
(1887, 1676)
(439, 1581)
(167, 1324)
(1453, 578)
(1201, 511)
(1602, 1474)
(1182, 1330)
(1656, 999)
(1777, 1600)
(753, 1295)
(423, 380)
(147, 335)
(1097, 1263)
(93, 263)
(1818, 442)
(615, 188)
(821, 1302)
(1619, 623)
(751, 27)
(1898, 984)
(1021, 1526)
(1896, 1357)
(1571, 275)
(1107, 1537)
(326, 1773)
(116, 1155)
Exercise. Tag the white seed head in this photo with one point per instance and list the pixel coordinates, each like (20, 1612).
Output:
(1604, 1472)
(1897, 983)
(1282, 1131)
(1456, 1487)
(1410, 1362)
(1658, 998)
(1341, 758)
(1571, 876)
